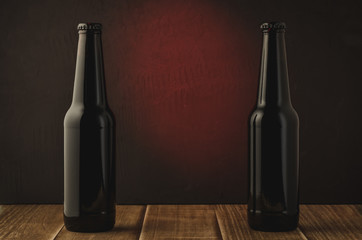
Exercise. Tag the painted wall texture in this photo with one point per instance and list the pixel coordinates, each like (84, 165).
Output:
(181, 80)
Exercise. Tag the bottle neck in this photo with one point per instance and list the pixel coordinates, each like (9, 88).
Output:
(273, 79)
(89, 86)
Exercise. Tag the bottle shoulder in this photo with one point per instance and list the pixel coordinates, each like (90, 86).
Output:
(277, 115)
(78, 114)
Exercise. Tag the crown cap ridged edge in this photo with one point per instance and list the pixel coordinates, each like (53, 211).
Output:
(269, 26)
(89, 26)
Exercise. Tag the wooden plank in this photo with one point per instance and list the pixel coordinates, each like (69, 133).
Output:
(129, 219)
(233, 224)
(180, 222)
(331, 222)
(30, 221)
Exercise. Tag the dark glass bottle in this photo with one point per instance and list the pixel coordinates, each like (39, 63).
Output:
(274, 141)
(89, 142)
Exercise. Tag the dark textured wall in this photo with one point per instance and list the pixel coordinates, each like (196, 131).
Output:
(181, 80)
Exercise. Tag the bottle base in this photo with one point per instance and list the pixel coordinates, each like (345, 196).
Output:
(90, 223)
(272, 222)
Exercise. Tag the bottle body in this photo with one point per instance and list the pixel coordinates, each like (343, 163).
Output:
(89, 145)
(273, 203)
(273, 170)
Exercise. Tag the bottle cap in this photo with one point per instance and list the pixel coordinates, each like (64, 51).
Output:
(273, 26)
(90, 27)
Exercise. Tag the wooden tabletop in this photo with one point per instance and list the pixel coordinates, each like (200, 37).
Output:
(180, 222)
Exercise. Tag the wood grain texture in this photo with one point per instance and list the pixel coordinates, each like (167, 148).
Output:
(233, 223)
(30, 221)
(180, 222)
(329, 222)
(227, 222)
(128, 225)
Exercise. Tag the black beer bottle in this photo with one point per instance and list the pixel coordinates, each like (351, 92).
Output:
(89, 142)
(274, 141)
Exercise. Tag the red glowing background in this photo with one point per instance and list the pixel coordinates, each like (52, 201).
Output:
(186, 79)
(181, 79)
